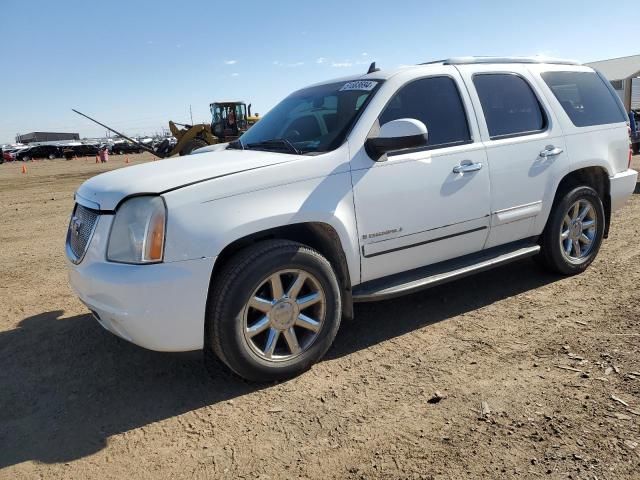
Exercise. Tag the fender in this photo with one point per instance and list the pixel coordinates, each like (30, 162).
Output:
(197, 229)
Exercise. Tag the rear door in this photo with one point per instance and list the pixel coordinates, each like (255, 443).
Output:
(525, 147)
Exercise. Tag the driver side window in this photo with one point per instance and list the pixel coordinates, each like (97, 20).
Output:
(436, 102)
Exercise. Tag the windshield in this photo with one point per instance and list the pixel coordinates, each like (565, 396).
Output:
(312, 120)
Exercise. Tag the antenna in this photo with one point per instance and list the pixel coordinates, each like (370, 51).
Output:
(372, 68)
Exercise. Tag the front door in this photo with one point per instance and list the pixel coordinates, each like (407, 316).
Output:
(426, 205)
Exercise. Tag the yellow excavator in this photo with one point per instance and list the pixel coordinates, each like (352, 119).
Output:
(229, 120)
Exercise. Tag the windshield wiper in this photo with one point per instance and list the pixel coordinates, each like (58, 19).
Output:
(236, 144)
(276, 143)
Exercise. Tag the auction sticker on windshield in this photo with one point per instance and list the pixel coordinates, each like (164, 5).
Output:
(362, 85)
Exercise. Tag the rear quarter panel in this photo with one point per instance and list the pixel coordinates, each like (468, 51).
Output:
(605, 146)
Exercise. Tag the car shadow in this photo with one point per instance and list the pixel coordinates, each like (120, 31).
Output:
(376, 322)
(67, 385)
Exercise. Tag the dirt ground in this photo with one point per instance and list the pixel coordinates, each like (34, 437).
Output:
(535, 374)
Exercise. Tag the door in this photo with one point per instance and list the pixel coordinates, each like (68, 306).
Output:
(525, 148)
(421, 206)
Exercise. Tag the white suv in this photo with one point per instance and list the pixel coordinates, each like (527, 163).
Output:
(352, 190)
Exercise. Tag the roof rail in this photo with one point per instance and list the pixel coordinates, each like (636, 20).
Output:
(476, 60)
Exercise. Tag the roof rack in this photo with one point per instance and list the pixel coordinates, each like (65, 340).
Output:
(476, 60)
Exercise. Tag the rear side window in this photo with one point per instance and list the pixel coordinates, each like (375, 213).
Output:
(510, 107)
(585, 97)
(436, 102)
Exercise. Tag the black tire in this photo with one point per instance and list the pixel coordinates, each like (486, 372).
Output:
(192, 145)
(239, 278)
(551, 255)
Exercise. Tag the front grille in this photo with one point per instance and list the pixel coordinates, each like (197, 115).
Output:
(83, 223)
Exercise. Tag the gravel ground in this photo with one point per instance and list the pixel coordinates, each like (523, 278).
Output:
(534, 374)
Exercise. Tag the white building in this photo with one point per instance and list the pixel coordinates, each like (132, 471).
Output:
(624, 75)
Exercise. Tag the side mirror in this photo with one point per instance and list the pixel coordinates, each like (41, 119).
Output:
(397, 135)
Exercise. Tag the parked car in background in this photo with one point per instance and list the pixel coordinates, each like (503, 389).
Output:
(352, 190)
(39, 151)
(634, 117)
(80, 150)
(122, 148)
(9, 154)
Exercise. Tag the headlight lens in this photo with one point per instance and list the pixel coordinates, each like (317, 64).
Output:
(137, 234)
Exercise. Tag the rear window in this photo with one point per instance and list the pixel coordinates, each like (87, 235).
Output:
(585, 97)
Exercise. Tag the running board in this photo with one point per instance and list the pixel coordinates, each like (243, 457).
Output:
(439, 273)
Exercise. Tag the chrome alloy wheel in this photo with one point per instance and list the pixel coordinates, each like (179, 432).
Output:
(284, 315)
(578, 231)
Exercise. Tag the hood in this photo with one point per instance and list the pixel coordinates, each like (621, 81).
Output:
(108, 189)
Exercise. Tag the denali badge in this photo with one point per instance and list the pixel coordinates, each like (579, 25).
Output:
(75, 226)
(380, 234)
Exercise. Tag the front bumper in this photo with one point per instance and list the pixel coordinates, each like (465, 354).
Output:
(622, 185)
(159, 307)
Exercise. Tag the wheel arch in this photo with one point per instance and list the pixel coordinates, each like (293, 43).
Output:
(597, 178)
(318, 235)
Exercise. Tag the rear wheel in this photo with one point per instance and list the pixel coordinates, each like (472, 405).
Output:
(51, 156)
(573, 235)
(192, 145)
(274, 311)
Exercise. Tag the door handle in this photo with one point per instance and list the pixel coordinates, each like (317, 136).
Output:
(467, 166)
(551, 151)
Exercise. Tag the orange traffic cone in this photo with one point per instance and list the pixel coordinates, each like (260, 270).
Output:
(24, 169)
(126, 159)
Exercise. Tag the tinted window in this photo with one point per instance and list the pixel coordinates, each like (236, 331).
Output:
(510, 107)
(585, 97)
(436, 102)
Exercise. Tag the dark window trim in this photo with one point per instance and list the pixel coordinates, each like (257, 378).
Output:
(440, 145)
(545, 113)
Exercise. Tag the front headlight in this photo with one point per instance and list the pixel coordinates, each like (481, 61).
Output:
(137, 234)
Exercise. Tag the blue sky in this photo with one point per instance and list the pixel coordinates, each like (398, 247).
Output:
(137, 64)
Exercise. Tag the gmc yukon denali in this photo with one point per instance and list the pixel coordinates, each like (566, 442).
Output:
(353, 190)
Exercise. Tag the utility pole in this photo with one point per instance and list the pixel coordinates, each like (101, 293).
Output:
(191, 114)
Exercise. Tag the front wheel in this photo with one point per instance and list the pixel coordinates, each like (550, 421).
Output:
(274, 311)
(573, 235)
